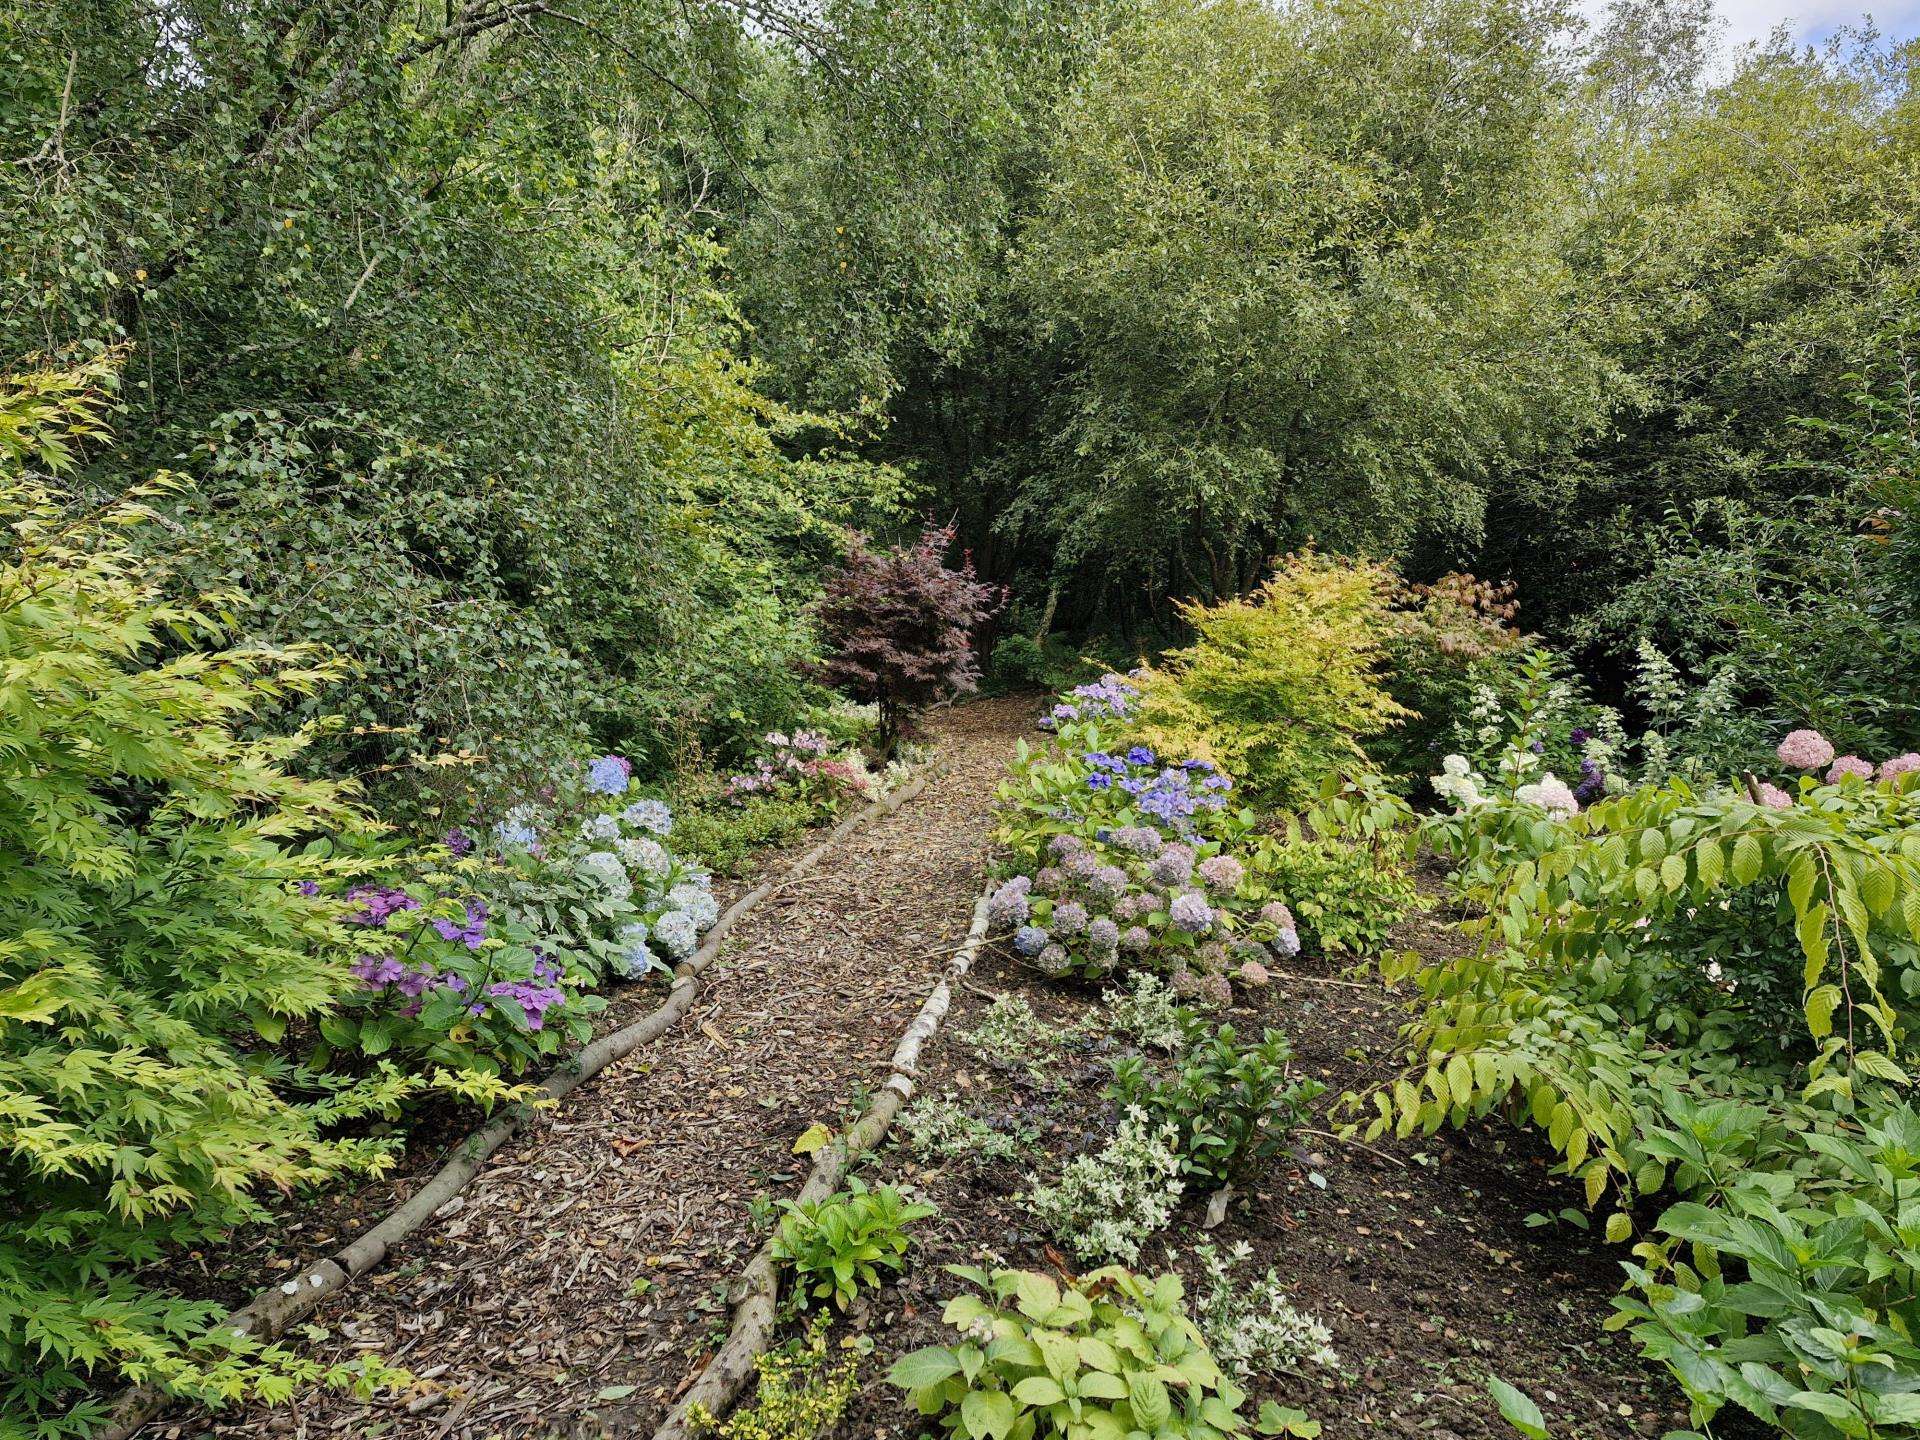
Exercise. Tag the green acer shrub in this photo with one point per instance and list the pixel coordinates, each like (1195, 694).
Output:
(152, 935)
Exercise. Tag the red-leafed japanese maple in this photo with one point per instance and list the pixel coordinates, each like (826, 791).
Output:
(899, 626)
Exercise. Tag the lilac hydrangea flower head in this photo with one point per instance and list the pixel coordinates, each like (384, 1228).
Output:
(1008, 906)
(1048, 877)
(458, 842)
(377, 970)
(609, 775)
(1065, 844)
(1274, 913)
(1082, 864)
(1217, 990)
(1099, 780)
(1141, 755)
(1252, 972)
(1774, 797)
(1898, 765)
(1805, 750)
(1069, 918)
(1223, 873)
(1140, 839)
(1136, 938)
(1030, 940)
(1287, 943)
(1103, 935)
(1173, 866)
(1190, 913)
(1129, 906)
(1849, 765)
(308, 888)
(1109, 882)
(1053, 959)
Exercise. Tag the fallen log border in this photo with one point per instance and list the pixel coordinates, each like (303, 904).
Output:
(754, 1291)
(269, 1313)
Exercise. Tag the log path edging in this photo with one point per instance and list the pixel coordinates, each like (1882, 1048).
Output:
(269, 1313)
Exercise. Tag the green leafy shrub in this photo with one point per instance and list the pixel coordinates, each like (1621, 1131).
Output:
(1448, 640)
(1607, 1005)
(1231, 1106)
(1280, 688)
(1112, 1354)
(724, 837)
(838, 1245)
(798, 1394)
(152, 937)
(1345, 897)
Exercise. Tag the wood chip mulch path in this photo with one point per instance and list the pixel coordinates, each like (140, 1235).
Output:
(579, 1281)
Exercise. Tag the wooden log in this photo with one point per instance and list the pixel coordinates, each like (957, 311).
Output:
(755, 1292)
(270, 1313)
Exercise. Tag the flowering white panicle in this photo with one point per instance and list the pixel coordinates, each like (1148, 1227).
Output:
(677, 933)
(1551, 794)
(1106, 1206)
(605, 867)
(1458, 782)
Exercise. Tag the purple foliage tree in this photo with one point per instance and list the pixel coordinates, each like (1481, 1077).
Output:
(899, 626)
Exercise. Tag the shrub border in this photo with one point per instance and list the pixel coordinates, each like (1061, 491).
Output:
(270, 1312)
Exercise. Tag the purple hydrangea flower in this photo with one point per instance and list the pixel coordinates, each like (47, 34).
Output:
(1103, 935)
(308, 888)
(1053, 959)
(1173, 866)
(377, 903)
(471, 934)
(1070, 918)
(1140, 839)
(1287, 942)
(1065, 844)
(1275, 913)
(1109, 882)
(1137, 937)
(1030, 940)
(458, 842)
(1141, 755)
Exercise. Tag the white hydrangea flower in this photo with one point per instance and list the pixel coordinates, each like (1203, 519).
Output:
(605, 867)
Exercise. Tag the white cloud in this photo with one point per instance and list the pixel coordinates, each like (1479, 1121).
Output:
(1809, 21)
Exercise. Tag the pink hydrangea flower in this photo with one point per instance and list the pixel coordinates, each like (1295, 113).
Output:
(1222, 872)
(1805, 750)
(1899, 765)
(1774, 796)
(1849, 765)
(1254, 973)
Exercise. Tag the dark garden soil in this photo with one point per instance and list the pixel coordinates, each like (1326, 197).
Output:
(579, 1283)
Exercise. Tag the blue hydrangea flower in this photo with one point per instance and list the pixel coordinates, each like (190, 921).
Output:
(1099, 780)
(654, 815)
(1030, 940)
(1286, 943)
(1141, 755)
(677, 934)
(1190, 913)
(609, 775)
(516, 834)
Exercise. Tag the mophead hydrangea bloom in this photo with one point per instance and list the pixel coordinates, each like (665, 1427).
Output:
(1805, 750)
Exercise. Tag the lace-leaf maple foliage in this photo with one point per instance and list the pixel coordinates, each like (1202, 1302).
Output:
(899, 623)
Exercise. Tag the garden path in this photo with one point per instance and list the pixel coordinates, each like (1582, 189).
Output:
(580, 1279)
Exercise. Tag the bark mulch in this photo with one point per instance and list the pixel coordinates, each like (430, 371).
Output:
(579, 1281)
